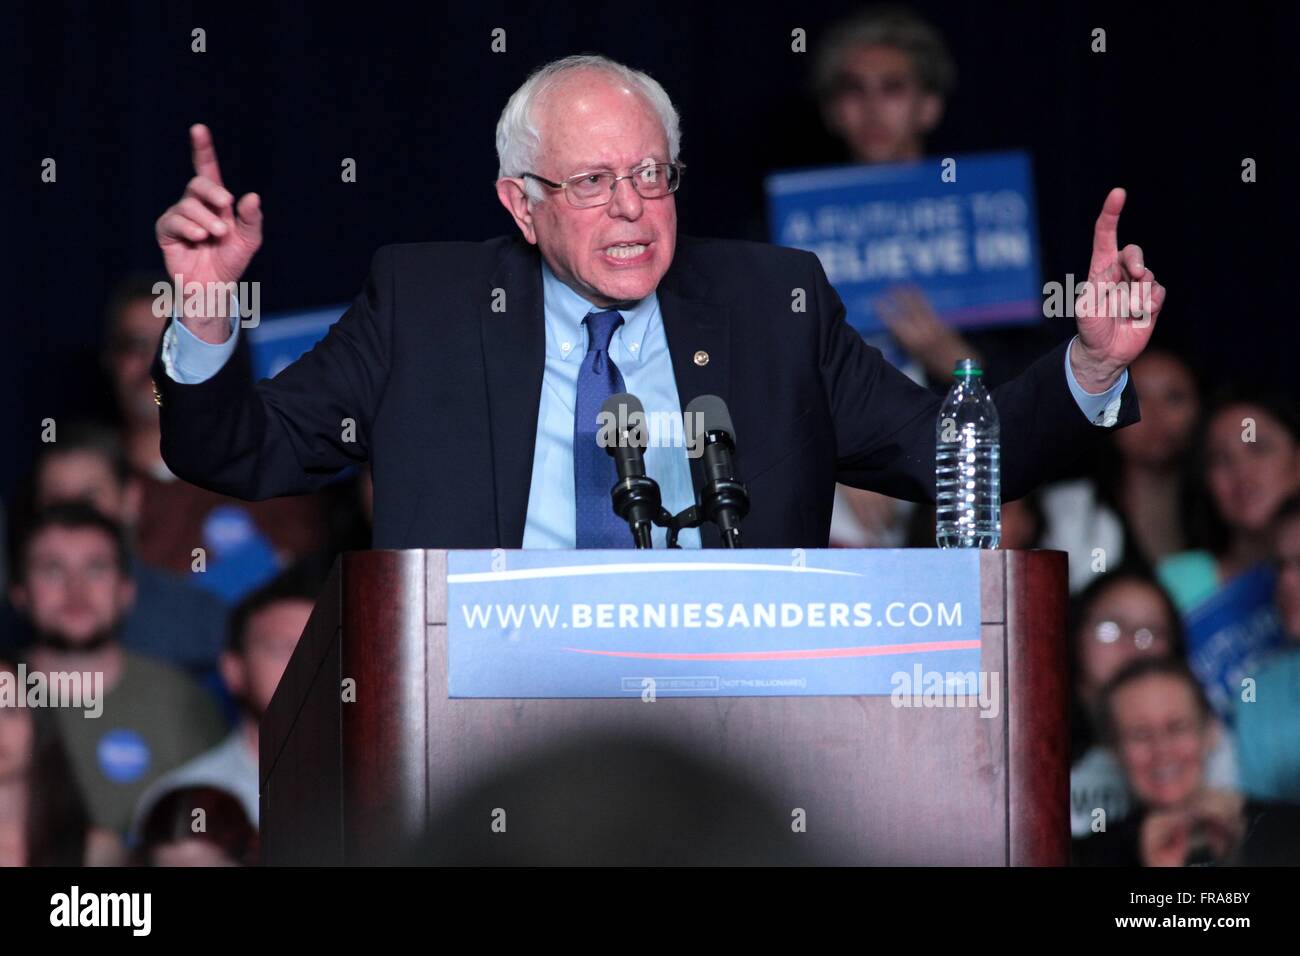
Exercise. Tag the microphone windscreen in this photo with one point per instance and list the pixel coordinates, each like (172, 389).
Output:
(708, 413)
(628, 414)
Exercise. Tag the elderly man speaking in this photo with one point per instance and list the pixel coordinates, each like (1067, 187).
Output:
(465, 372)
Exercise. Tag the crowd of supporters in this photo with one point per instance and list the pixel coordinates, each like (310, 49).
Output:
(1183, 535)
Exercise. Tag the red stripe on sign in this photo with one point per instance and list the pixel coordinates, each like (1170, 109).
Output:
(817, 653)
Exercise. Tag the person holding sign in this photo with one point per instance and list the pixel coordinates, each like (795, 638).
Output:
(883, 78)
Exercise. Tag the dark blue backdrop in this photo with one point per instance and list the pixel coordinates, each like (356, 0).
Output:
(412, 92)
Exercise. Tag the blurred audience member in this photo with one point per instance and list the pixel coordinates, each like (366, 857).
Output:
(197, 826)
(1121, 617)
(1153, 455)
(1129, 512)
(177, 517)
(1247, 462)
(71, 581)
(882, 79)
(264, 630)
(1159, 723)
(171, 619)
(42, 819)
(1268, 721)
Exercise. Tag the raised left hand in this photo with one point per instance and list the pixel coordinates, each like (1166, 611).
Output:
(1117, 309)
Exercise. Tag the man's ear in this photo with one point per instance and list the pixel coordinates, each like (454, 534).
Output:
(931, 112)
(512, 195)
(18, 596)
(233, 675)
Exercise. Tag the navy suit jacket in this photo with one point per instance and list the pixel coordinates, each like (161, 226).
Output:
(439, 361)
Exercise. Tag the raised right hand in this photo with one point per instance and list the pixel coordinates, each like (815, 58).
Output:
(206, 237)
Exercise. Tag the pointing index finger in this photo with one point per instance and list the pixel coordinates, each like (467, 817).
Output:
(1105, 235)
(205, 153)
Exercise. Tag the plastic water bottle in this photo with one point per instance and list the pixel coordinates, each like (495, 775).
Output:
(967, 472)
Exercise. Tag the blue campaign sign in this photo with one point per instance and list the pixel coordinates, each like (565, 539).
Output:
(710, 623)
(277, 341)
(970, 244)
(1231, 632)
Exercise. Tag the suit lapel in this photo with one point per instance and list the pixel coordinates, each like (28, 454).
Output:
(699, 341)
(514, 357)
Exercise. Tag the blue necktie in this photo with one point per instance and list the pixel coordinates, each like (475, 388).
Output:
(593, 469)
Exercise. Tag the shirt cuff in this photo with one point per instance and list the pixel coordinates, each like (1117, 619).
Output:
(188, 359)
(1100, 409)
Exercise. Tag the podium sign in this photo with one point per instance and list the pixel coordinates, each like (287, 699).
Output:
(750, 623)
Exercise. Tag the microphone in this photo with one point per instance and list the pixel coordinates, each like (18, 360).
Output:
(623, 434)
(723, 499)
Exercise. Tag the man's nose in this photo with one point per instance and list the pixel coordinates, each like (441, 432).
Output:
(1163, 746)
(626, 203)
(871, 96)
(74, 588)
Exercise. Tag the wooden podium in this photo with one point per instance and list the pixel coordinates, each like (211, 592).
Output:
(358, 780)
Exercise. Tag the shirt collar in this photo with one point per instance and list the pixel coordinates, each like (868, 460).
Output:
(565, 310)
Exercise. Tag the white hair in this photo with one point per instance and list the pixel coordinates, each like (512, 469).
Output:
(519, 141)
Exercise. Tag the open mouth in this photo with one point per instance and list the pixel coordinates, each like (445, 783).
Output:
(626, 253)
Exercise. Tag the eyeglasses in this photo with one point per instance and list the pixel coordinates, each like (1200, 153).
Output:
(1144, 638)
(585, 190)
(1174, 731)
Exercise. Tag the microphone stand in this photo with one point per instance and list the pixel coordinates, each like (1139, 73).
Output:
(630, 492)
(690, 518)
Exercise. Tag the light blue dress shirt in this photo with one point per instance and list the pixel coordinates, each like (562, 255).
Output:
(640, 350)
